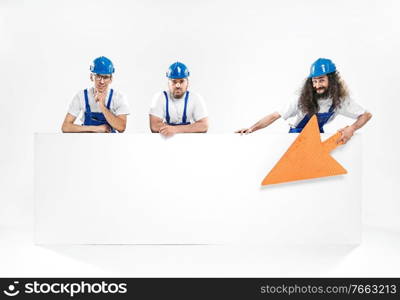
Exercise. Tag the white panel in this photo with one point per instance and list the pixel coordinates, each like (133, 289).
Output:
(188, 189)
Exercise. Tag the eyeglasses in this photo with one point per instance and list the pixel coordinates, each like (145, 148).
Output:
(99, 77)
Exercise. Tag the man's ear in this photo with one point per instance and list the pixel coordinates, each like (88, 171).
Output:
(91, 76)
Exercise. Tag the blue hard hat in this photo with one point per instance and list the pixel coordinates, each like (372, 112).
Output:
(177, 70)
(322, 66)
(102, 65)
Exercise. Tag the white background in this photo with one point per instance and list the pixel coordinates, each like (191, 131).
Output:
(245, 58)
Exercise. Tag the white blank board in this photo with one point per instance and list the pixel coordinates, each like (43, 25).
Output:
(188, 189)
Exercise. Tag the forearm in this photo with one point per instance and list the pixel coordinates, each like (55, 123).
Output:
(155, 125)
(68, 127)
(197, 127)
(264, 122)
(361, 121)
(113, 120)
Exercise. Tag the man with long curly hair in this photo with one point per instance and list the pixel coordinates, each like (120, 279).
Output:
(325, 95)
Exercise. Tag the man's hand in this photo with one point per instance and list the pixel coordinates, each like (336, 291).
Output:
(168, 130)
(244, 131)
(347, 133)
(102, 128)
(100, 97)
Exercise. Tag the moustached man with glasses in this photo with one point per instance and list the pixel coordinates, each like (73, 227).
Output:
(102, 109)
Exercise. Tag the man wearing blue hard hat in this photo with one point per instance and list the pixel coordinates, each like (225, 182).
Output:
(178, 110)
(103, 109)
(323, 94)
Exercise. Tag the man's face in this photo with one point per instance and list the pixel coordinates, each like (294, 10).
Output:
(320, 84)
(178, 87)
(101, 82)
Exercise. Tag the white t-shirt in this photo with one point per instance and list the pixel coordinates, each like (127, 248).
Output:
(119, 105)
(348, 108)
(195, 111)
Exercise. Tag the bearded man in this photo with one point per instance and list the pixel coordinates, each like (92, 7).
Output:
(177, 110)
(325, 95)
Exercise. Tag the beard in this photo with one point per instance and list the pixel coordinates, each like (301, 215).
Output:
(178, 94)
(323, 95)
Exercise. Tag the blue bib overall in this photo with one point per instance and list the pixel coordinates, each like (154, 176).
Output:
(322, 118)
(96, 118)
(184, 118)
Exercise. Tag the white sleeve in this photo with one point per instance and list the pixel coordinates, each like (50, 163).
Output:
(351, 109)
(289, 109)
(157, 108)
(75, 107)
(122, 106)
(199, 109)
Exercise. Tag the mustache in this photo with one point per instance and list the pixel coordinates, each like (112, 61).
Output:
(322, 95)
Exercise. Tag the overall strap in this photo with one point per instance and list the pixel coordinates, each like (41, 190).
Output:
(109, 99)
(303, 122)
(184, 110)
(167, 118)
(332, 108)
(87, 101)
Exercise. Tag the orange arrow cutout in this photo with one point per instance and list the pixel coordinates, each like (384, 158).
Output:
(306, 158)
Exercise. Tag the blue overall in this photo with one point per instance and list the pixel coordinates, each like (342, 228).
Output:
(96, 118)
(322, 118)
(184, 117)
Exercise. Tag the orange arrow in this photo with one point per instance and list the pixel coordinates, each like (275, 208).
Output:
(306, 158)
